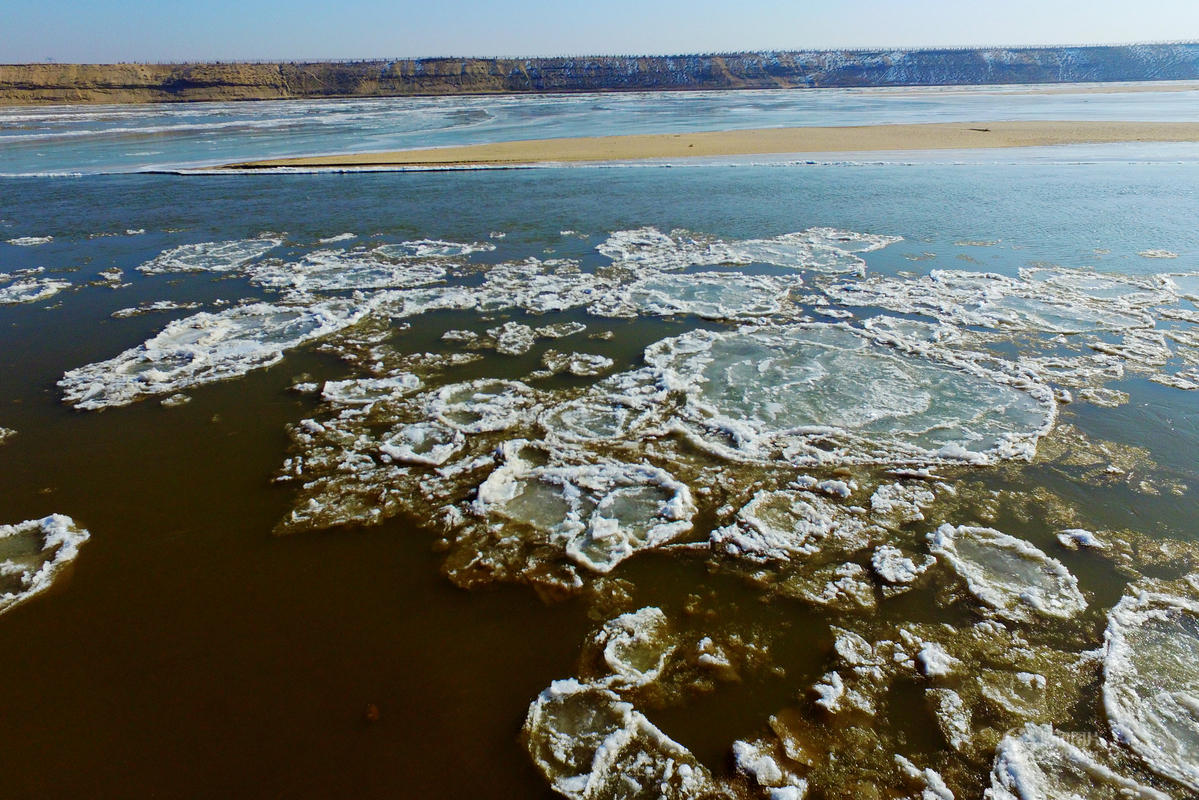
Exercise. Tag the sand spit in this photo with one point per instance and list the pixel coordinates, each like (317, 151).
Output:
(765, 141)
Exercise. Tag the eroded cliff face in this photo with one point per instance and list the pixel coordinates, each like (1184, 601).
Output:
(146, 83)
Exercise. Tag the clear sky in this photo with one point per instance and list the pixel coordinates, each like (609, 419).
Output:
(174, 30)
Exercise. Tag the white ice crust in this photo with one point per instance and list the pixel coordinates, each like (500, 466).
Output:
(822, 393)
(816, 249)
(1151, 682)
(1037, 764)
(590, 744)
(601, 514)
(204, 348)
(32, 553)
(209, 256)
(1009, 575)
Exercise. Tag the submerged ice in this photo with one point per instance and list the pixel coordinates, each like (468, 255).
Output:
(32, 553)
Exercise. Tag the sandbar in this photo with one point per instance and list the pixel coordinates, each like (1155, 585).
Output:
(763, 141)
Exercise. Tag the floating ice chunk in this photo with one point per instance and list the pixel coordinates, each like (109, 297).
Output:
(341, 270)
(1157, 254)
(818, 249)
(901, 502)
(205, 348)
(930, 782)
(30, 241)
(1184, 284)
(1037, 764)
(1020, 693)
(559, 330)
(782, 525)
(6, 434)
(953, 718)
(1074, 538)
(580, 364)
(616, 408)
(759, 761)
(423, 443)
(153, 307)
(591, 745)
(934, 662)
(1151, 682)
(366, 391)
(32, 553)
(209, 256)
(512, 338)
(482, 406)
(341, 237)
(1008, 574)
(636, 646)
(600, 514)
(826, 393)
(844, 586)
(706, 295)
(30, 290)
(433, 248)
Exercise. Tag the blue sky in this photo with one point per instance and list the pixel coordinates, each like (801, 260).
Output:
(170, 30)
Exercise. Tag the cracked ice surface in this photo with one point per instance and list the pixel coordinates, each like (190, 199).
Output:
(821, 393)
(1151, 682)
(204, 348)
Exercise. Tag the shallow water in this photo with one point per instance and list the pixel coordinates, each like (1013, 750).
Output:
(95, 139)
(190, 649)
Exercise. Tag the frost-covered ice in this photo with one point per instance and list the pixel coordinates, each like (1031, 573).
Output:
(590, 744)
(209, 256)
(32, 553)
(600, 514)
(433, 249)
(578, 364)
(482, 406)
(817, 249)
(708, 295)
(1009, 575)
(152, 307)
(205, 348)
(29, 290)
(341, 270)
(428, 443)
(636, 646)
(1038, 764)
(783, 525)
(1151, 682)
(827, 393)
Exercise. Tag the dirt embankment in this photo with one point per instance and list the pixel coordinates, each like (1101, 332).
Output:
(29, 84)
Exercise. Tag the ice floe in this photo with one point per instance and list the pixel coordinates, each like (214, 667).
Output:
(1039, 764)
(590, 744)
(1151, 681)
(32, 553)
(204, 348)
(340, 270)
(817, 249)
(827, 393)
(16, 290)
(1009, 575)
(600, 514)
(209, 256)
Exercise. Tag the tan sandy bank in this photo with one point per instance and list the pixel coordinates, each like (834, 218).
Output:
(934, 136)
